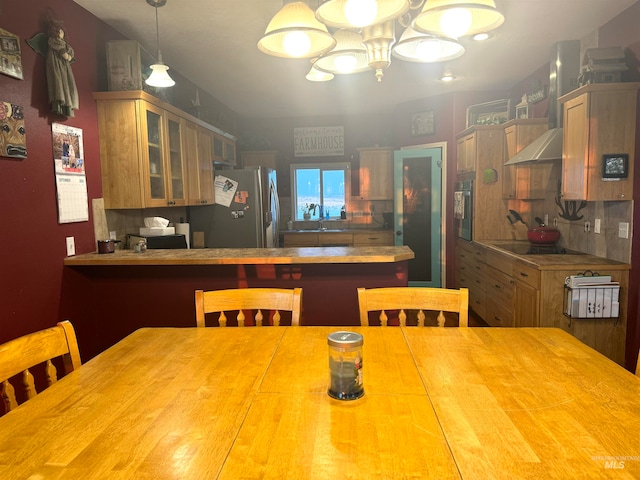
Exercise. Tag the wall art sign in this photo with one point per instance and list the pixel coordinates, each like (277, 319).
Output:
(71, 182)
(10, 56)
(13, 136)
(318, 141)
(423, 123)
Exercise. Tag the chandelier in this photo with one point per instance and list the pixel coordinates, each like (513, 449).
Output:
(363, 32)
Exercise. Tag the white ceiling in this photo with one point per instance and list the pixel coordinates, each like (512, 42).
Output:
(213, 43)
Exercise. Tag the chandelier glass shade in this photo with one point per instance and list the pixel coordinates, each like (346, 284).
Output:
(159, 76)
(360, 13)
(316, 75)
(348, 56)
(420, 47)
(294, 32)
(457, 18)
(364, 36)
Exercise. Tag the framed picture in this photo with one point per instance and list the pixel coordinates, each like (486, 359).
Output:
(10, 56)
(615, 166)
(423, 123)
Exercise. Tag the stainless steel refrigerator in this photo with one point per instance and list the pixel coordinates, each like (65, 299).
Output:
(246, 213)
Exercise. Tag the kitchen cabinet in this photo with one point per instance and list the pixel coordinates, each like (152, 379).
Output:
(224, 149)
(525, 182)
(486, 145)
(466, 152)
(198, 144)
(508, 290)
(260, 158)
(599, 119)
(376, 173)
(338, 239)
(152, 154)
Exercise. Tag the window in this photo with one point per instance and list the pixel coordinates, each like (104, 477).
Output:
(323, 184)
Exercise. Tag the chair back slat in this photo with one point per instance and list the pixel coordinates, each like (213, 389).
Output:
(261, 300)
(18, 356)
(419, 299)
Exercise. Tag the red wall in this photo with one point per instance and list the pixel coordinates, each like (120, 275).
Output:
(32, 244)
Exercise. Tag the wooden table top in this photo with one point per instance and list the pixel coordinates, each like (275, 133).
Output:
(245, 256)
(247, 403)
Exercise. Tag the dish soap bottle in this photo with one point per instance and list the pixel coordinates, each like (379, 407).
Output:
(289, 225)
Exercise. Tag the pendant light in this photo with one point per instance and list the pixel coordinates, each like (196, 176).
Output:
(420, 47)
(316, 75)
(457, 18)
(159, 76)
(360, 13)
(294, 32)
(348, 56)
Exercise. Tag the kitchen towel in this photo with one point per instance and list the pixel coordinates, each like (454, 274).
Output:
(183, 229)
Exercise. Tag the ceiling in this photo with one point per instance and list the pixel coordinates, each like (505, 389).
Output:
(213, 44)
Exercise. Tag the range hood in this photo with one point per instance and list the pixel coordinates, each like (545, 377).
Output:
(564, 68)
(546, 148)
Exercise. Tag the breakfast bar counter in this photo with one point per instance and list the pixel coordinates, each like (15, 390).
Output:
(246, 256)
(108, 296)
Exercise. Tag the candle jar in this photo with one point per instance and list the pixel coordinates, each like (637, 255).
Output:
(345, 365)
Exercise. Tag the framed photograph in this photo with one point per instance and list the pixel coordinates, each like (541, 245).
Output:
(615, 166)
(10, 56)
(423, 123)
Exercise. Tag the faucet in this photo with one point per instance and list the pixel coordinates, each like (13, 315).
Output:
(321, 222)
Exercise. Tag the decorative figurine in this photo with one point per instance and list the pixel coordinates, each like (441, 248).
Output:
(63, 94)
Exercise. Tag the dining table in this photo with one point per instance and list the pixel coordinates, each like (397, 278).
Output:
(252, 403)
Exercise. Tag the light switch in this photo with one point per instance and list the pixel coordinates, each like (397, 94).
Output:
(596, 226)
(623, 230)
(71, 246)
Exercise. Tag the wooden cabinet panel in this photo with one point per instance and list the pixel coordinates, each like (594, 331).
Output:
(466, 153)
(526, 305)
(598, 119)
(152, 154)
(376, 173)
(377, 238)
(260, 158)
(526, 274)
(300, 240)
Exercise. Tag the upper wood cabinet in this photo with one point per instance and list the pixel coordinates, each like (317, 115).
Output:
(198, 145)
(526, 182)
(224, 149)
(376, 173)
(153, 154)
(466, 153)
(599, 119)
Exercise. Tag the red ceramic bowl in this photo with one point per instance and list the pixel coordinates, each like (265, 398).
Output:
(543, 235)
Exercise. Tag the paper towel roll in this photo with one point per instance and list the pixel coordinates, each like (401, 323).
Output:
(183, 229)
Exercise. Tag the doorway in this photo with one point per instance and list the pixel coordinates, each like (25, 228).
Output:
(418, 212)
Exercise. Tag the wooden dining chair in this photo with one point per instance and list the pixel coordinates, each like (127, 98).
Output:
(270, 300)
(419, 299)
(20, 355)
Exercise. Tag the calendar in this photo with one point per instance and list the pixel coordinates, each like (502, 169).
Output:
(71, 181)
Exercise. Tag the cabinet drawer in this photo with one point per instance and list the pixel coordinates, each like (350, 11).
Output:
(378, 238)
(477, 302)
(500, 262)
(300, 240)
(497, 316)
(526, 274)
(499, 288)
(335, 239)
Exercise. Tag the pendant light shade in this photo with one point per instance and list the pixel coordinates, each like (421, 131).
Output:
(348, 56)
(421, 47)
(316, 75)
(159, 76)
(360, 13)
(457, 18)
(294, 32)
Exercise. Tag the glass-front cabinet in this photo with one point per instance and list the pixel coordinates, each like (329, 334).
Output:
(154, 155)
(165, 163)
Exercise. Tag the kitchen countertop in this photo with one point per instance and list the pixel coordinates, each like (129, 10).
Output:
(555, 261)
(245, 256)
(338, 230)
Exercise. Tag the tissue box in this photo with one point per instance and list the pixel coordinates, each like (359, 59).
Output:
(154, 231)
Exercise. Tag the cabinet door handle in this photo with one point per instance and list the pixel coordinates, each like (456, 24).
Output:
(522, 274)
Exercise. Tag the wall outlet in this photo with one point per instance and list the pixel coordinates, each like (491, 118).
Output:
(596, 226)
(71, 246)
(623, 230)
(112, 235)
(546, 219)
(587, 226)
(555, 221)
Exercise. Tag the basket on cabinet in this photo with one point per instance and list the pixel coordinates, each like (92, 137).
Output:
(591, 296)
